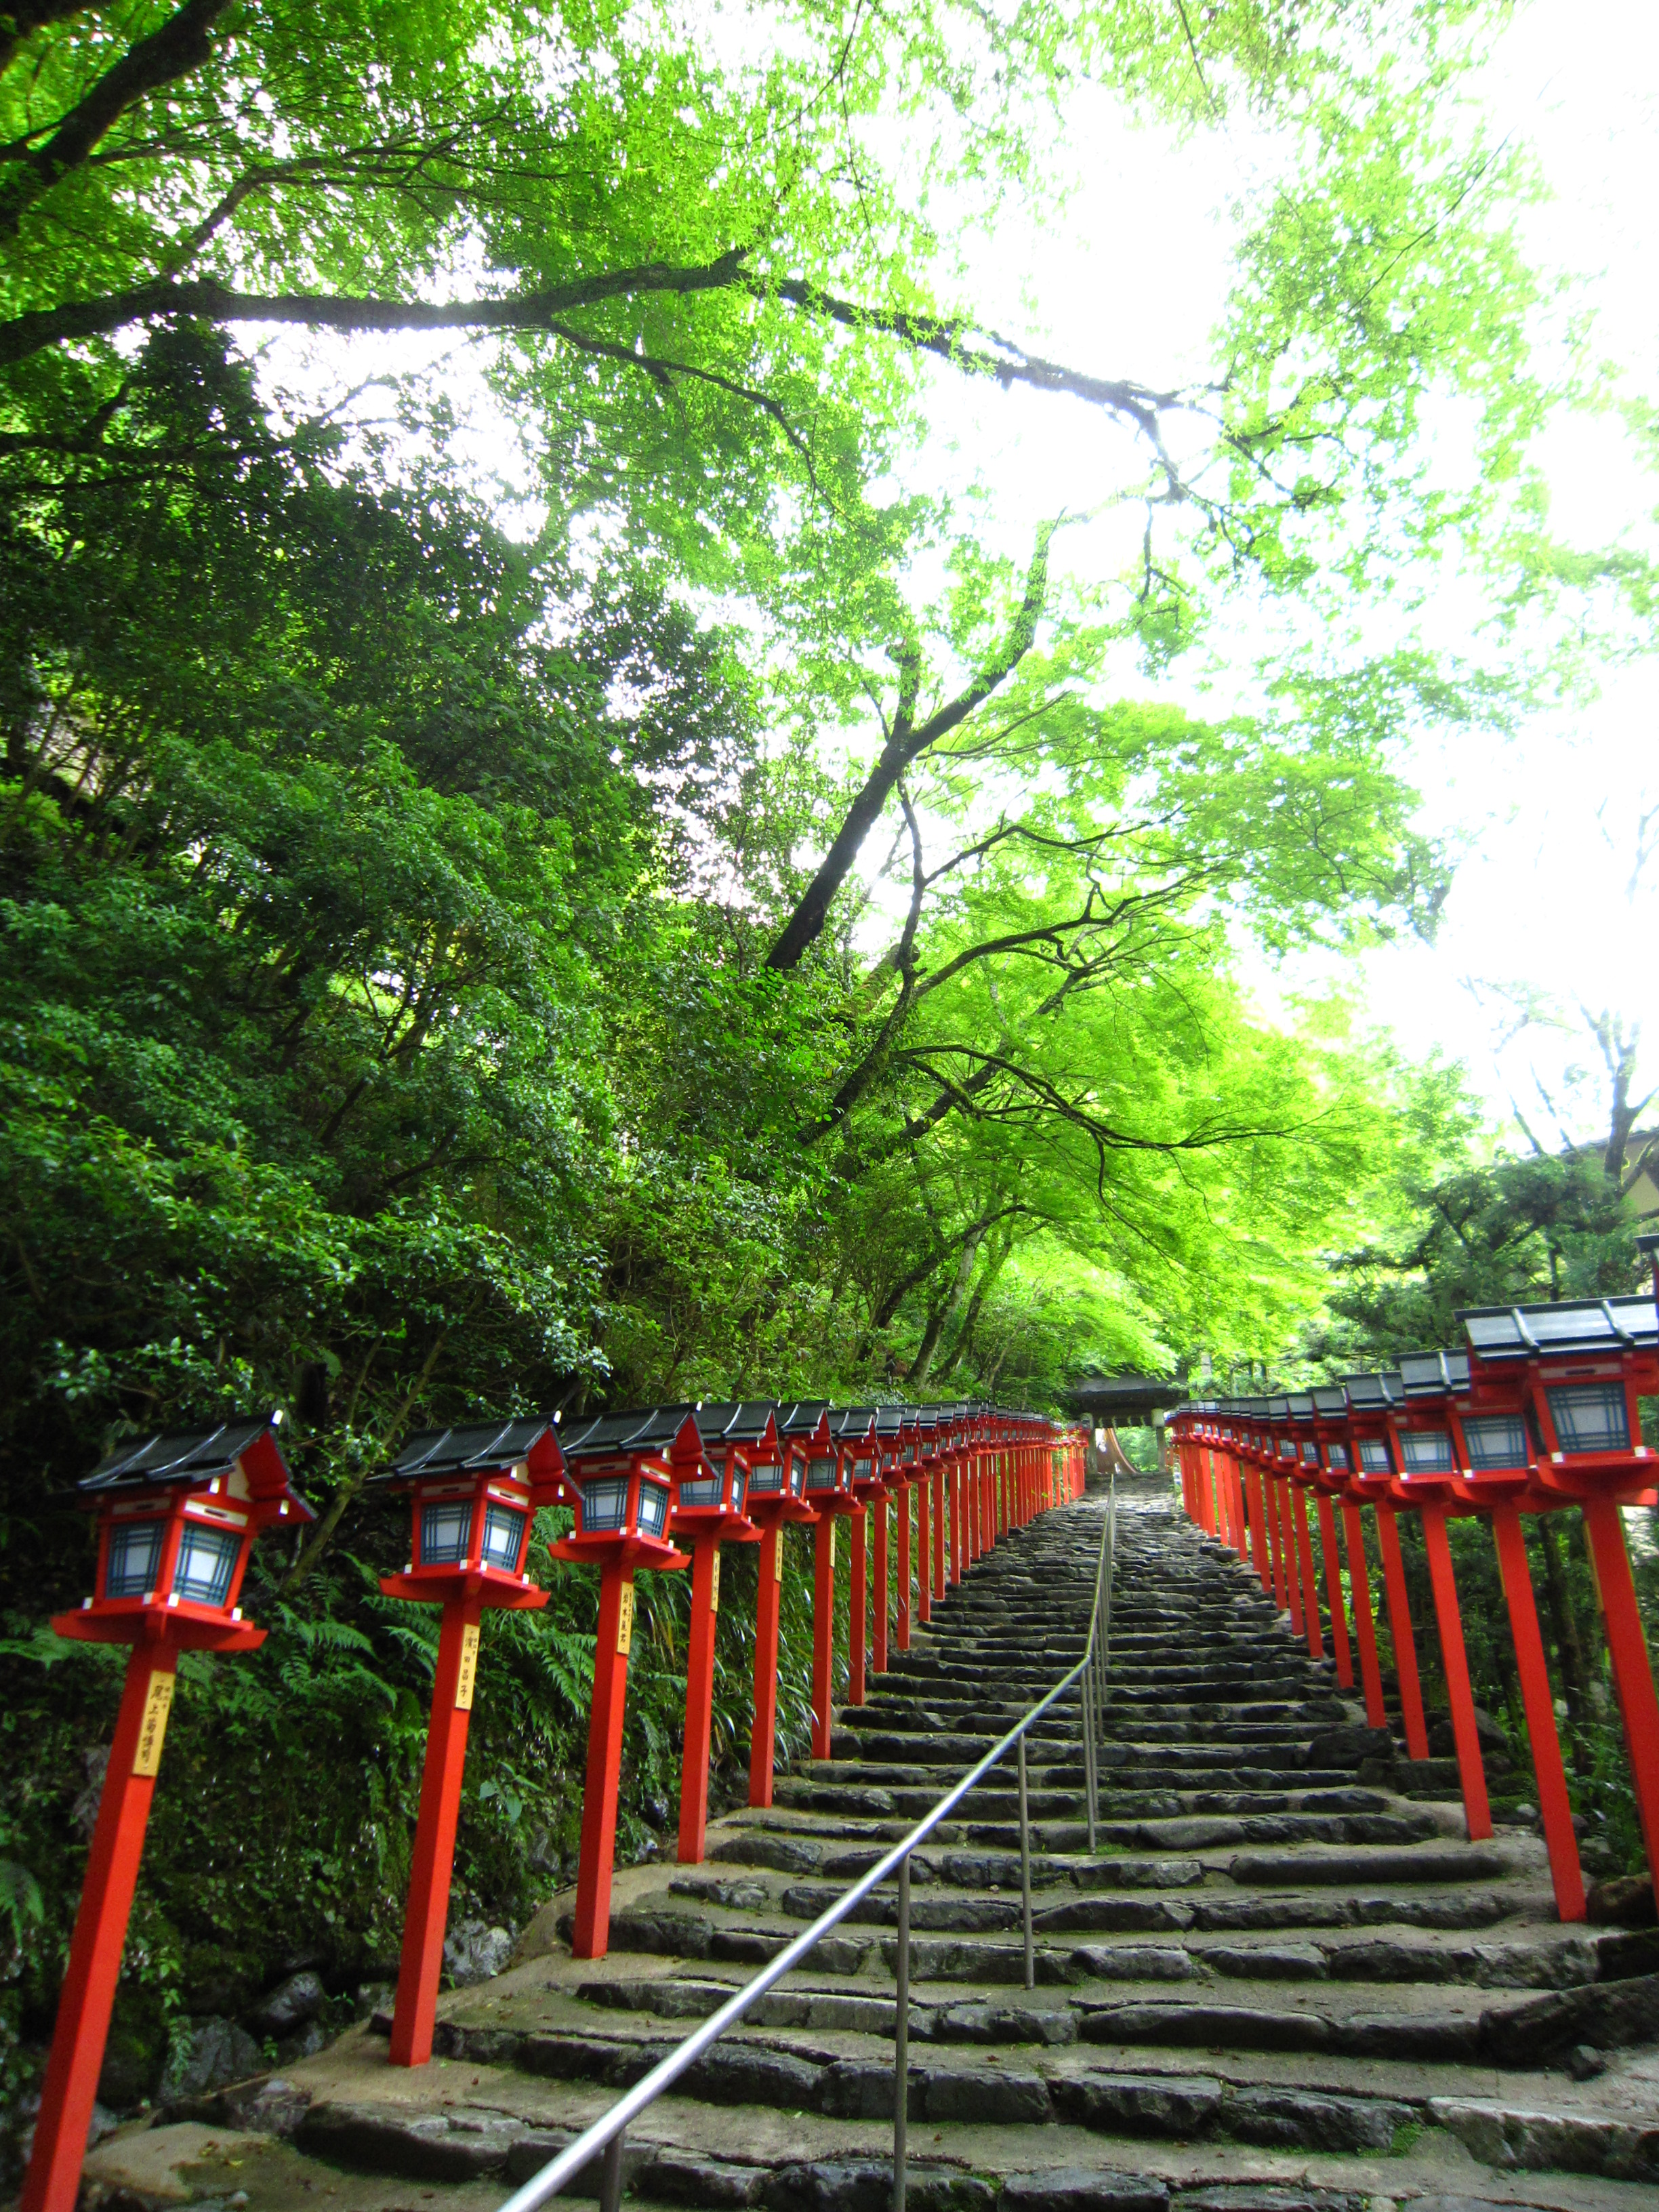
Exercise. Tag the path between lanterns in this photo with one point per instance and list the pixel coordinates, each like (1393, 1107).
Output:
(1281, 1982)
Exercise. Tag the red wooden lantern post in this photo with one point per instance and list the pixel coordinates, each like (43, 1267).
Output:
(902, 1474)
(619, 1470)
(855, 1431)
(1419, 1427)
(1304, 1585)
(828, 1492)
(1236, 1439)
(177, 1518)
(1327, 1483)
(1336, 1481)
(775, 1487)
(473, 1492)
(1497, 1474)
(1369, 1397)
(890, 1428)
(1585, 1366)
(710, 1496)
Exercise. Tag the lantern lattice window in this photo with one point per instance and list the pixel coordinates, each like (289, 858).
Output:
(503, 1536)
(135, 1558)
(1589, 1417)
(1495, 1440)
(444, 1533)
(207, 1560)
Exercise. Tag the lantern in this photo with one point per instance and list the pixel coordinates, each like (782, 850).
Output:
(1336, 1481)
(622, 1475)
(713, 1458)
(1298, 1455)
(1424, 1449)
(473, 1491)
(1371, 1448)
(887, 1487)
(854, 1428)
(178, 1515)
(1578, 1369)
(777, 1477)
(1314, 1475)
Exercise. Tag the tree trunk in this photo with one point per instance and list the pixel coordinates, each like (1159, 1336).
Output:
(992, 1268)
(946, 1311)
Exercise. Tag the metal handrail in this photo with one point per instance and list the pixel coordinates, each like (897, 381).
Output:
(606, 2133)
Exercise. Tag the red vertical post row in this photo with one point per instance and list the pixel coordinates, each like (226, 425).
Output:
(1471, 1771)
(1305, 1564)
(858, 1606)
(823, 1630)
(592, 1935)
(427, 1917)
(763, 1740)
(1333, 1593)
(1400, 1626)
(1292, 1565)
(1632, 1672)
(939, 1533)
(699, 1697)
(878, 1623)
(1554, 1807)
(902, 1622)
(953, 1479)
(1279, 1535)
(70, 2086)
(1364, 1626)
(924, 1551)
(1258, 1520)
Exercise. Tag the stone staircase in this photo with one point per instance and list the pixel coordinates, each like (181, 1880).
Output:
(1279, 1982)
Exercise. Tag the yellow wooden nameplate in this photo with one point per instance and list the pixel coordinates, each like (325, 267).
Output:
(466, 1674)
(147, 1758)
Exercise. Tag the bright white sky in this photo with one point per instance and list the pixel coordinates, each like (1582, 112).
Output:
(1129, 281)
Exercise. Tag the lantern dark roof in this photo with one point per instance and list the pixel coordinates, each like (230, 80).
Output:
(477, 1448)
(1300, 1405)
(733, 1421)
(853, 1421)
(801, 1418)
(644, 1429)
(1434, 1374)
(1578, 1325)
(1330, 1398)
(1278, 1409)
(1370, 1393)
(889, 1419)
(181, 1455)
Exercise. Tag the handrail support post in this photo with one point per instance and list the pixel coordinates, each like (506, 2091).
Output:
(1026, 1868)
(902, 2034)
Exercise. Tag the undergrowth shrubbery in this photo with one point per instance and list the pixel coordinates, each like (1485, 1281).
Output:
(283, 1823)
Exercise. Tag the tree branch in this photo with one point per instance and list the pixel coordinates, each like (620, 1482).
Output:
(906, 741)
(172, 51)
(31, 332)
